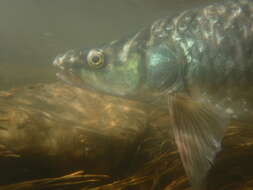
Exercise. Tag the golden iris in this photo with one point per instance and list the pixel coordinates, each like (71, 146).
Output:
(95, 58)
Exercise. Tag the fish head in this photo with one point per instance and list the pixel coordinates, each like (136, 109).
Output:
(113, 69)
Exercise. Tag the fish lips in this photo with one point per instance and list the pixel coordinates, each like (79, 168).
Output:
(70, 78)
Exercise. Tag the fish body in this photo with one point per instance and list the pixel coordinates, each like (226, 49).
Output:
(198, 65)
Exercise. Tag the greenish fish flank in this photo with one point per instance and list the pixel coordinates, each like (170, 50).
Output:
(197, 64)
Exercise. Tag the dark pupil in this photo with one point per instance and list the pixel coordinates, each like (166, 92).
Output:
(95, 59)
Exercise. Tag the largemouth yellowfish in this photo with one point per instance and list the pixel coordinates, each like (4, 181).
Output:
(197, 64)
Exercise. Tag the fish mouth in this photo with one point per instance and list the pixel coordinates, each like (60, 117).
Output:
(63, 63)
(59, 62)
(63, 76)
(71, 79)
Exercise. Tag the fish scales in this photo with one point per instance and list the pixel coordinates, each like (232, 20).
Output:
(197, 64)
(207, 39)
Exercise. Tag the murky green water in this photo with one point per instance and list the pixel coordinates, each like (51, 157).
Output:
(33, 32)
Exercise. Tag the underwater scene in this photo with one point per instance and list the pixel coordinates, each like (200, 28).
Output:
(126, 95)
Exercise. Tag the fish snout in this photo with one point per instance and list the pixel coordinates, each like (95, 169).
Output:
(67, 60)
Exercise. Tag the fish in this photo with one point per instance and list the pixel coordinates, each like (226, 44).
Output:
(196, 64)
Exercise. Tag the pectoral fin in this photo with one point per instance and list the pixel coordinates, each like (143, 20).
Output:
(198, 128)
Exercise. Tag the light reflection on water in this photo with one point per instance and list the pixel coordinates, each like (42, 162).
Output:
(33, 32)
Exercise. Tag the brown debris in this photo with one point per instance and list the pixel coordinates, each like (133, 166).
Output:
(54, 130)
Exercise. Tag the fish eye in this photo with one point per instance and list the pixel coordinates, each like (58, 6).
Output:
(95, 58)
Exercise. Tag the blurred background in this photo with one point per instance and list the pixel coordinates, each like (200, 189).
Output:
(33, 32)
